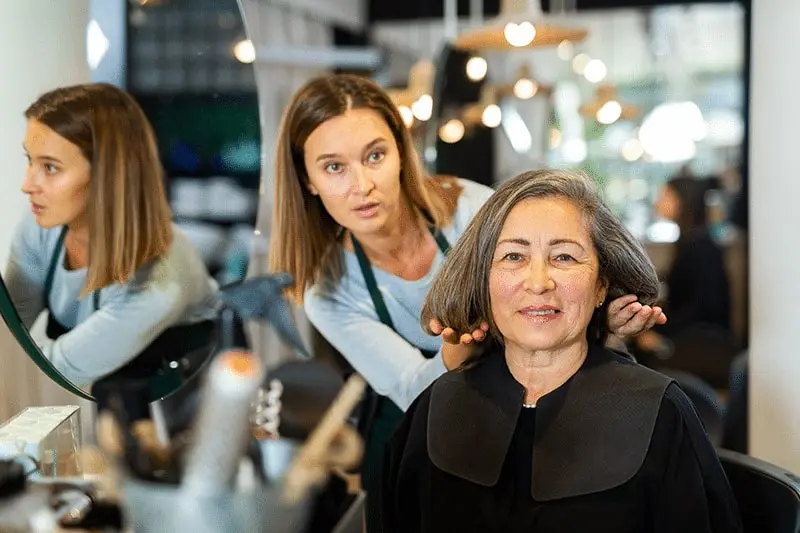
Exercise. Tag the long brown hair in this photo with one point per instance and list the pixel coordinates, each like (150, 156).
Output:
(459, 296)
(129, 219)
(305, 237)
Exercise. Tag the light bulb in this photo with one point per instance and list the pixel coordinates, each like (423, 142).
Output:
(244, 51)
(452, 131)
(423, 107)
(519, 35)
(566, 50)
(595, 71)
(579, 63)
(477, 68)
(609, 112)
(492, 116)
(525, 88)
(407, 114)
(632, 150)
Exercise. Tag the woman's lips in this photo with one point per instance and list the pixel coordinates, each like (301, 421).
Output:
(367, 210)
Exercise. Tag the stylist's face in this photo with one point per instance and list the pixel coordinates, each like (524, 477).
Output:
(353, 165)
(57, 177)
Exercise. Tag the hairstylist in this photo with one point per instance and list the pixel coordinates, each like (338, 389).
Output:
(98, 250)
(364, 231)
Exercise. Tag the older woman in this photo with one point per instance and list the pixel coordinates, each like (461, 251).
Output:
(546, 430)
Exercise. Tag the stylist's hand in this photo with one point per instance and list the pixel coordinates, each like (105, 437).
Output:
(457, 347)
(627, 317)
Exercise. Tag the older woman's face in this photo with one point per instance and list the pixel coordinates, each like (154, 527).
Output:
(544, 280)
(353, 165)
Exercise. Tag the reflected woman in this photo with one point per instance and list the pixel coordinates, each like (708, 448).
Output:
(547, 430)
(122, 286)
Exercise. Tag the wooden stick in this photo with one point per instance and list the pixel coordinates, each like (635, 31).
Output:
(332, 444)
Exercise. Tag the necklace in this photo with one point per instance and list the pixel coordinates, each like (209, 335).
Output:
(529, 405)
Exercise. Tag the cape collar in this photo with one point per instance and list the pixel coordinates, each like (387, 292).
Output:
(592, 433)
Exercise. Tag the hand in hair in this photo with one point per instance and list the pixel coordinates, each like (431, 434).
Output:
(458, 347)
(628, 317)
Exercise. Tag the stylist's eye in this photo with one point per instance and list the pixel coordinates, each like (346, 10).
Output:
(333, 168)
(376, 156)
(50, 168)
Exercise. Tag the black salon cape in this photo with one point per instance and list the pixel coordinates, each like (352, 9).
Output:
(618, 448)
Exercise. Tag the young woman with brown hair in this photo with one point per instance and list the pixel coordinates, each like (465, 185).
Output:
(98, 249)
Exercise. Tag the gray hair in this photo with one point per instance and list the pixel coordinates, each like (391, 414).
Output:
(459, 296)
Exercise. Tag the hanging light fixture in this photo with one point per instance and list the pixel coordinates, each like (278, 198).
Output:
(521, 24)
(416, 98)
(525, 87)
(606, 108)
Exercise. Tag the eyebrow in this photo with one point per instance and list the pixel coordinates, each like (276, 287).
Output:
(371, 144)
(525, 242)
(43, 157)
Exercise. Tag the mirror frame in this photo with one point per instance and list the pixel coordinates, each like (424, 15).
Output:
(160, 387)
(23, 337)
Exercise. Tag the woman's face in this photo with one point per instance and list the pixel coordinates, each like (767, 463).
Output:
(668, 204)
(57, 177)
(544, 281)
(353, 165)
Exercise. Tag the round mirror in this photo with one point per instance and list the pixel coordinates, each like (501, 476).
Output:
(113, 273)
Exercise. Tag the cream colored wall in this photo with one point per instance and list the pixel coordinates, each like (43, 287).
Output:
(774, 239)
(42, 46)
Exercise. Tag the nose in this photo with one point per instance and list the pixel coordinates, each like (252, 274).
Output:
(29, 183)
(363, 180)
(538, 279)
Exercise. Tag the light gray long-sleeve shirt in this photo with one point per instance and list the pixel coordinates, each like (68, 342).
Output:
(168, 291)
(390, 362)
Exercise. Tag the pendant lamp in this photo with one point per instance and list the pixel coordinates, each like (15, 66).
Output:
(521, 24)
(606, 108)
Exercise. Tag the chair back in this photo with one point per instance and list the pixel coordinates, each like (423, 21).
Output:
(705, 350)
(353, 519)
(768, 496)
(706, 401)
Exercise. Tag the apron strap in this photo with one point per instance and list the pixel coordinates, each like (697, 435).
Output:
(51, 272)
(372, 285)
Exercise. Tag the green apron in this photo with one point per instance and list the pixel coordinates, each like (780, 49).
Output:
(384, 415)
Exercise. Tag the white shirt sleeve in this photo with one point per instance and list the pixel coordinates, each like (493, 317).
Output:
(25, 272)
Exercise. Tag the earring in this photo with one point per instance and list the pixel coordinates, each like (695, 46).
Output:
(600, 304)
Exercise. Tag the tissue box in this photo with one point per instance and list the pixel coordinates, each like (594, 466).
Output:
(50, 435)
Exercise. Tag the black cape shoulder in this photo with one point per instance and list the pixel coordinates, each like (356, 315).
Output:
(592, 433)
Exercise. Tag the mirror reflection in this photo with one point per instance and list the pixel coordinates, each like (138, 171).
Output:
(142, 202)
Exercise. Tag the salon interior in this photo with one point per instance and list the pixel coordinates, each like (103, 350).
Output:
(640, 95)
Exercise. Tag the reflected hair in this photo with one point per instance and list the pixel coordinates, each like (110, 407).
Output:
(127, 212)
(691, 194)
(459, 296)
(305, 239)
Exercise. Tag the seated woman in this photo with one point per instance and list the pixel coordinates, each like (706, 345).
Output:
(123, 287)
(547, 430)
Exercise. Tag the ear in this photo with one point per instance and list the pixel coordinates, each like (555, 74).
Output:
(602, 293)
(313, 190)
